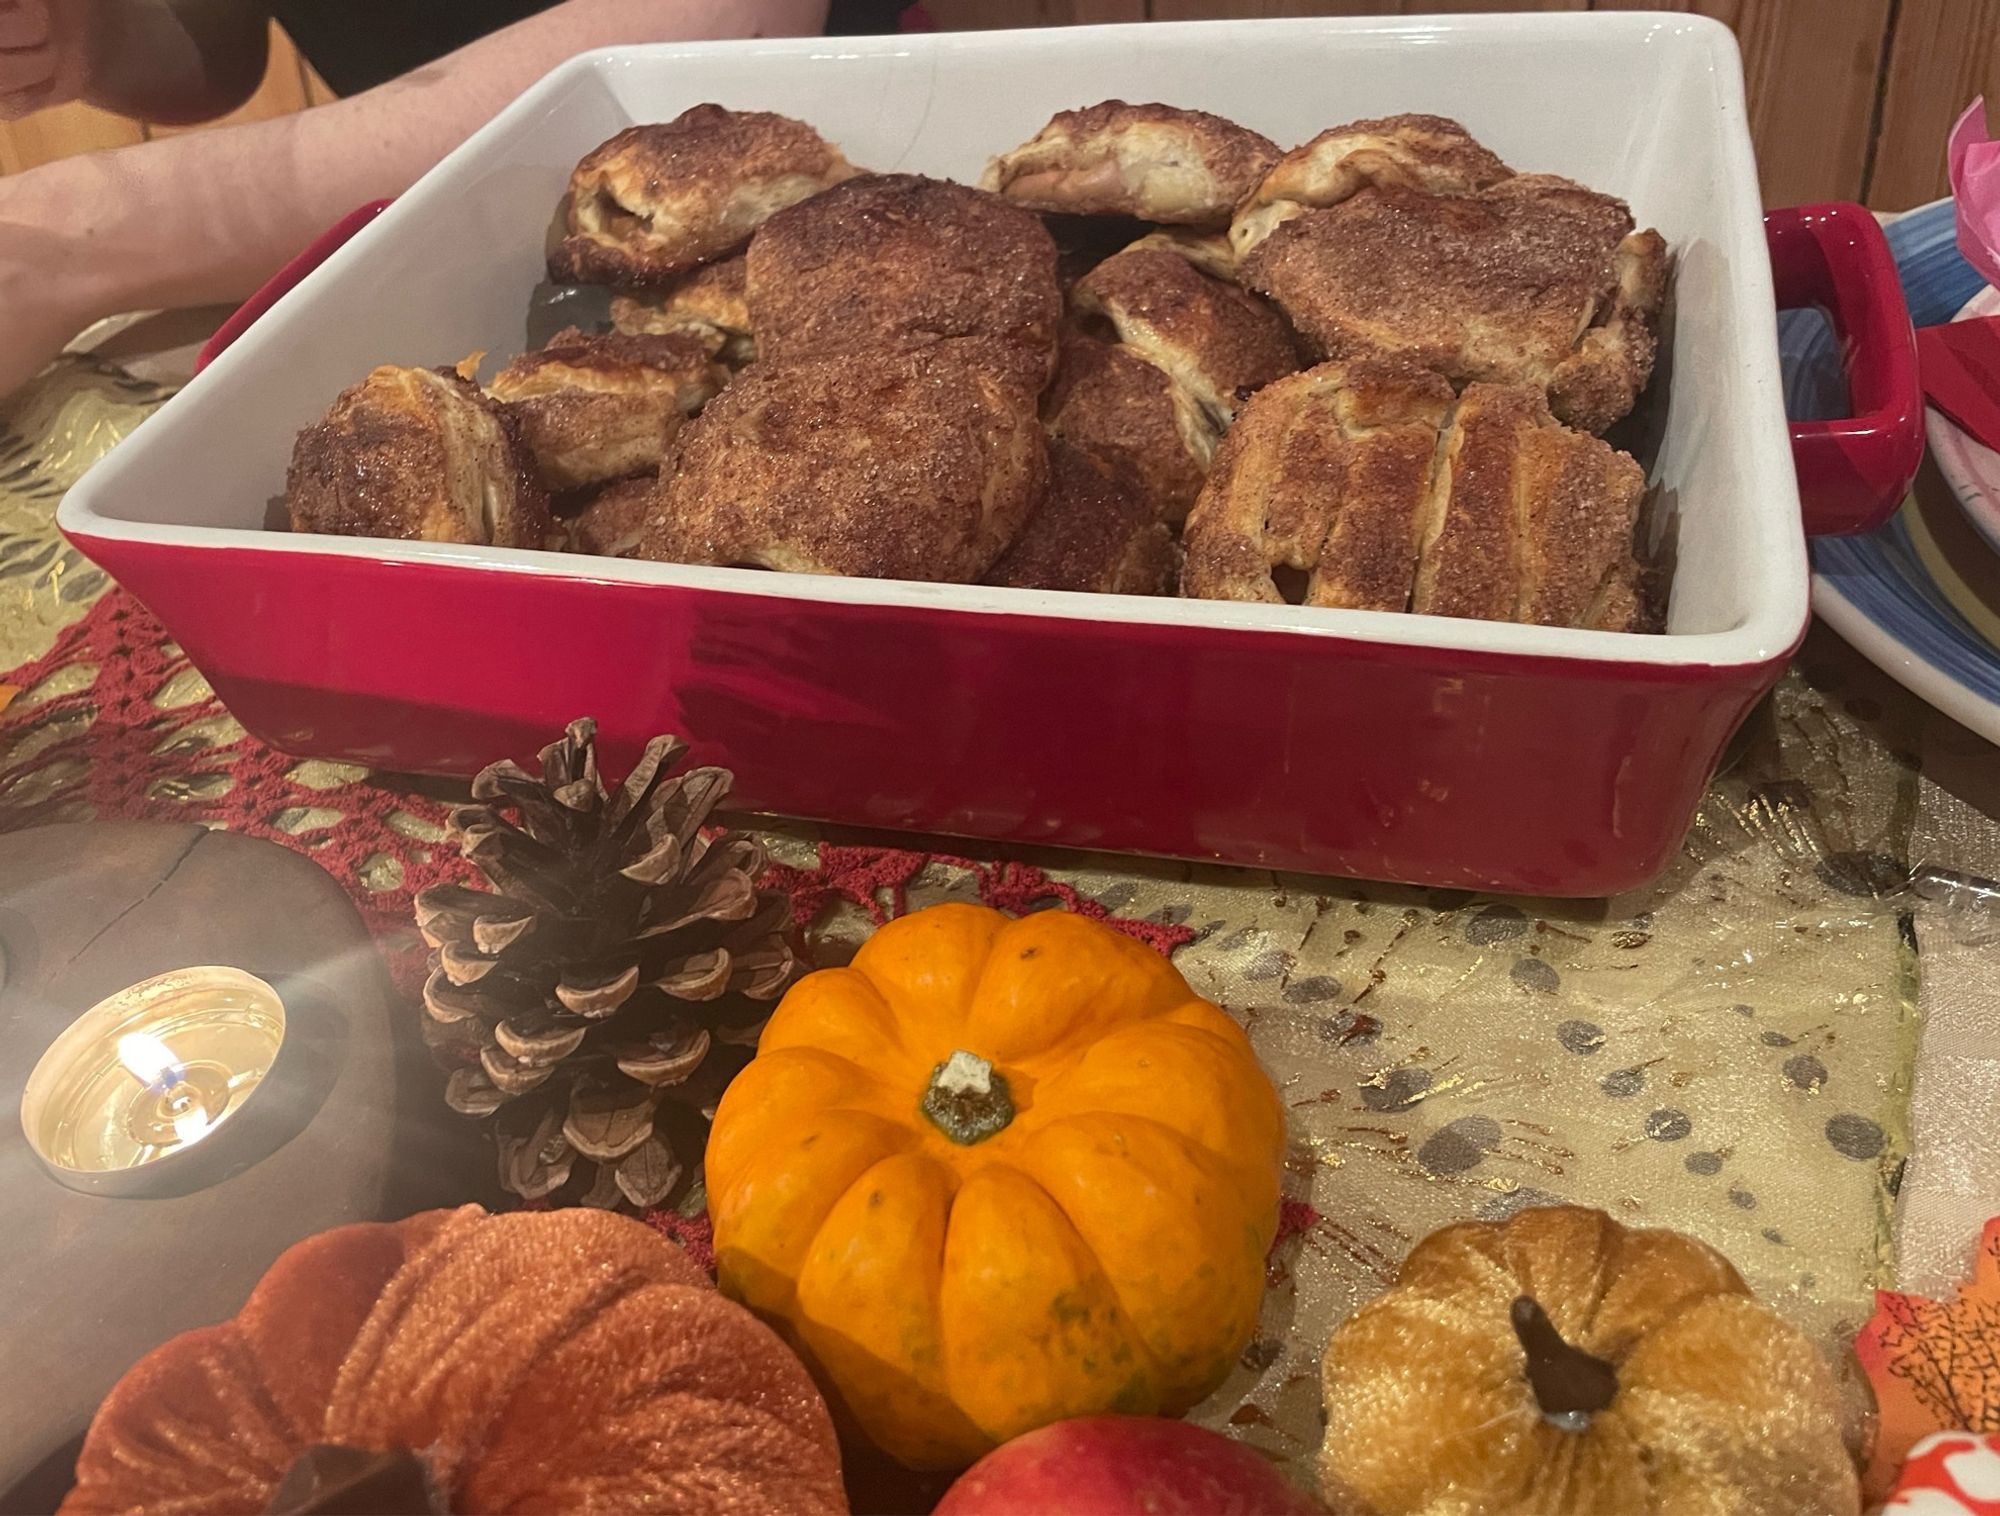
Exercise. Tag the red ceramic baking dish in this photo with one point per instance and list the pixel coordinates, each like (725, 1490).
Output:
(1427, 750)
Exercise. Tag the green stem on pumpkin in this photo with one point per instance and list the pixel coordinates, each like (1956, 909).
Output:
(968, 1099)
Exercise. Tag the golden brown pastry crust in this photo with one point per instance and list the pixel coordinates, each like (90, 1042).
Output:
(596, 408)
(1528, 520)
(657, 200)
(1208, 251)
(913, 464)
(1220, 343)
(1090, 534)
(419, 454)
(1430, 153)
(1602, 379)
(1499, 286)
(1134, 420)
(709, 304)
(1325, 472)
(1391, 494)
(611, 524)
(1156, 162)
(896, 260)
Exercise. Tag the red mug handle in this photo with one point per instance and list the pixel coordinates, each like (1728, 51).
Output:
(1855, 472)
(323, 247)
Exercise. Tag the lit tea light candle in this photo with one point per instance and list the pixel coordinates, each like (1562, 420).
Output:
(151, 1073)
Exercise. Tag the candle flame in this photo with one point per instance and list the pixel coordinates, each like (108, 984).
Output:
(146, 1058)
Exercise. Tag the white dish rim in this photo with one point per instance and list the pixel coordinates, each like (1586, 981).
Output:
(1771, 632)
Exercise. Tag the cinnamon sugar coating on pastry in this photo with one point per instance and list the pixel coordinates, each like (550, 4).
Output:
(895, 260)
(419, 454)
(598, 408)
(1527, 519)
(1134, 420)
(1429, 153)
(1508, 285)
(1155, 162)
(1208, 251)
(1220, 343)
(915, 464)
(1089, 533)
(1326, 472)
(611, 524)
(1390, 494)
(657, 200)
(710, 304)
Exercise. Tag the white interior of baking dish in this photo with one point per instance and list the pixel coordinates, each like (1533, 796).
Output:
(1646, 106)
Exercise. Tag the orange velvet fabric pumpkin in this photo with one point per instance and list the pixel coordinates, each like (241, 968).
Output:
(1560, 1364)
(562, 1361)
(996, 1173)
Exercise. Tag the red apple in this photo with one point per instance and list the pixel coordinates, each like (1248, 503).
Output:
(1124, 1466)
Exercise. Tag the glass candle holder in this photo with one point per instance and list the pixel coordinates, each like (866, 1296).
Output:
(151, 1082)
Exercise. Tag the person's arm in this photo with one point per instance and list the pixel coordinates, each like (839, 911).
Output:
(206, 218)
(170, 61)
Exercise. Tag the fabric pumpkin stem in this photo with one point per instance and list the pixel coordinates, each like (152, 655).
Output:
(1570, 1385)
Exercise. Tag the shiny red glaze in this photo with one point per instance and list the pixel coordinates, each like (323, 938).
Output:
(322, 247)
(1282, 749)
(1853, 473)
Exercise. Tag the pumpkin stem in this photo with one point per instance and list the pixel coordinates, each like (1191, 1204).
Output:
(327, 1480)
(1569, 1384)
(967, 1099)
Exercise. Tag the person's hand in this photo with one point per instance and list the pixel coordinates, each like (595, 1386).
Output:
(44, 290)
(43, 54)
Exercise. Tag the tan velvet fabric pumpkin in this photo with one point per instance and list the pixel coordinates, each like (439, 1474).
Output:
(1559, 1364)
(570, 1361)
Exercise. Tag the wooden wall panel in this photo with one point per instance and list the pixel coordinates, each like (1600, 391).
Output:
(1945, 54)
(1812, 68)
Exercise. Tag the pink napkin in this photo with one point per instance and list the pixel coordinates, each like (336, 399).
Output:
(1975, 183)
(1960, 361)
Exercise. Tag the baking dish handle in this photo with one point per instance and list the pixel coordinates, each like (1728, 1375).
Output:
(1854, 472)
(323, 247)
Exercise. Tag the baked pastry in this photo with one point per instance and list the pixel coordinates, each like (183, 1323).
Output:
(1134, 420)
(1089, 533)
(657, 200)
(611, 523)
(596, 408)
(709, 305)
(1388, 494)
(1156, 162)
(1327, 473)
(1220, 343)
(893, 260)
(920, 463)
(416, 453)
(1533, 280)
(1429, 153)
(1527, 519)
(1210, 252)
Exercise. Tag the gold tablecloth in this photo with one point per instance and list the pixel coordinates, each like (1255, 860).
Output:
(1730, 1052)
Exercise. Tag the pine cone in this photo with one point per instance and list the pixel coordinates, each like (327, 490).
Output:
(599, 1001)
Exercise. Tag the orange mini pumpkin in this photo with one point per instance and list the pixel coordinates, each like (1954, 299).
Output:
(997, 1173)
(1559, 1364)
(564, 1361)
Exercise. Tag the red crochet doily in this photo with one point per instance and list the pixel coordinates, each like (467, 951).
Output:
(107, 745)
